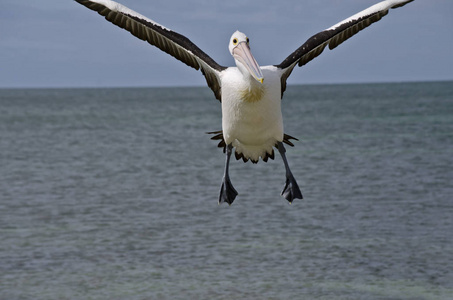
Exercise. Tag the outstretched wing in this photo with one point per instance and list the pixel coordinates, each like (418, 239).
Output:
(163, 38)
(336, 35)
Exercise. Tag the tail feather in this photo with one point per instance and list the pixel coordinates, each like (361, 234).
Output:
(218, 135)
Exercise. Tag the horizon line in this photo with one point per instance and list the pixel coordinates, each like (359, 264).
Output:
(205, 86)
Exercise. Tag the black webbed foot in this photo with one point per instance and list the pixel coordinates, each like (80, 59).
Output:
(291, 190)
(227, 192)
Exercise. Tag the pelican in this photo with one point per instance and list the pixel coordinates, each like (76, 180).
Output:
(250, 95)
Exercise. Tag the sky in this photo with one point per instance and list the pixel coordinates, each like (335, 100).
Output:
(60, 43)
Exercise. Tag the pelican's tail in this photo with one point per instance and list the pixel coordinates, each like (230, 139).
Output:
(218, 135)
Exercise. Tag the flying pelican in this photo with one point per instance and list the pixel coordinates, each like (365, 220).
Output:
(250, 95)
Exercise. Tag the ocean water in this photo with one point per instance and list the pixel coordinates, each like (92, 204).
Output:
(112, 194)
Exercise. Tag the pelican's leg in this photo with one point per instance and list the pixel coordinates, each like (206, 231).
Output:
(227, 191)
(291, 190)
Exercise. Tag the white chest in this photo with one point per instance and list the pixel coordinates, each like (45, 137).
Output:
(251, 114)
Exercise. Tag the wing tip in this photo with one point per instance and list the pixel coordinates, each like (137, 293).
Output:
(402, 4)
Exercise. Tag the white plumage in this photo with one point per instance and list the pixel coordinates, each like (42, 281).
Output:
(253, 126)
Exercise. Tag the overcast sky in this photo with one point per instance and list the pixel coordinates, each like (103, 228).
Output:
(60, 43)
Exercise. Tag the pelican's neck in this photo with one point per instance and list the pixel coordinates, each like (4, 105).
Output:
(251, 90)
(245, 73)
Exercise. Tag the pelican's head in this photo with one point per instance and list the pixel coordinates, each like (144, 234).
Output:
(240, 49)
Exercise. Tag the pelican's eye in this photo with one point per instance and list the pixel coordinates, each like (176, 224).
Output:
(235, 41)
(248, 41)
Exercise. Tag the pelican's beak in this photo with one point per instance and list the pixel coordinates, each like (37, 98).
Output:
(243, 54)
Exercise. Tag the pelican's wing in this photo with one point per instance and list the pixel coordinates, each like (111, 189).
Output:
(157, 35)
(336, 35)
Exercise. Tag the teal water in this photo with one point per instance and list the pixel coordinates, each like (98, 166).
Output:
(112, 194)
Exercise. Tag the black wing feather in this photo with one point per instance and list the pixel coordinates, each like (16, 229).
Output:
(316, 44)
(166, 40)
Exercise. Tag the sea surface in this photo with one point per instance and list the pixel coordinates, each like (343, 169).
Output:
(112, 194)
